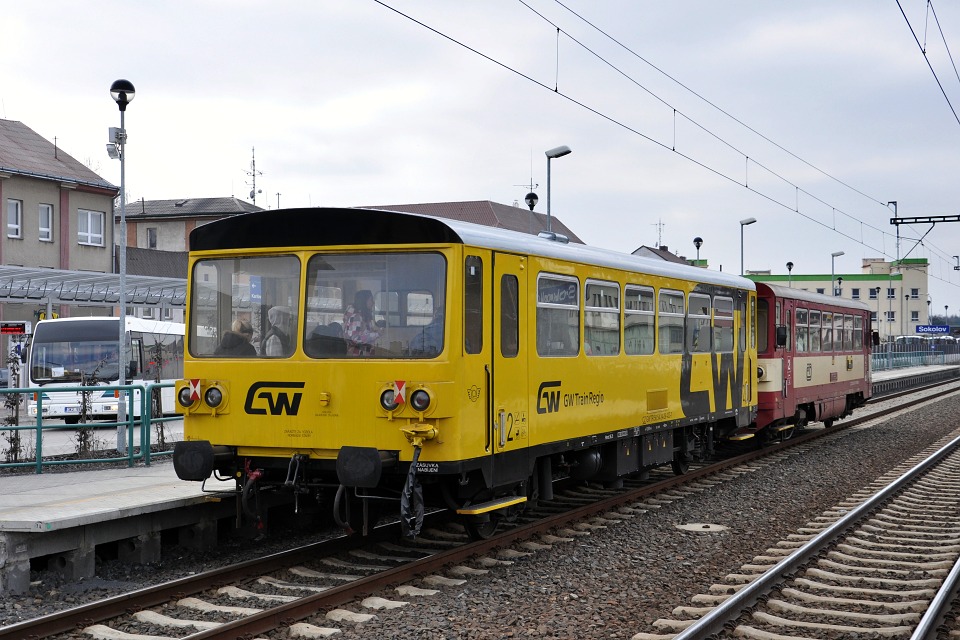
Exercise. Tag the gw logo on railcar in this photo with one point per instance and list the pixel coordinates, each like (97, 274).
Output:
(277, 402)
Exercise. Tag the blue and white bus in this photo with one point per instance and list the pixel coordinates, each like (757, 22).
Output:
(85, 351)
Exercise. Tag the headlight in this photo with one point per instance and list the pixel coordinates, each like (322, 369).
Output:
(388, 400)
(184, 397)
(213, 397)
(759, 373)
(420, 400)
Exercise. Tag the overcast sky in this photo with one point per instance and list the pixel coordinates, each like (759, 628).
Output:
(809, 116)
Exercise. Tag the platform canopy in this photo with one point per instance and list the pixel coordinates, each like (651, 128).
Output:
(26, 285)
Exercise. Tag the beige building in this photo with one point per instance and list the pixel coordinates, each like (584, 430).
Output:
(896, 292)
(57, 214)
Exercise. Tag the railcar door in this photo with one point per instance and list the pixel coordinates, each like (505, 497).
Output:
(510, 410)
(785, 316)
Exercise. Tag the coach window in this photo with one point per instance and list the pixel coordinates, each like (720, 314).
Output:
(763, 323)
(814, 331)
(802, 332)
(858, 332)
(558, 315)
(838, 332)
(601, 319)
(670, 318)
(638, 320)
(723, 324)
(473, 305)
(847, 333)
(509, 316)
(698, 323)
(826, 333)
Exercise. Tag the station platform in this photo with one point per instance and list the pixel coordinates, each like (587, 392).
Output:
(62, 518)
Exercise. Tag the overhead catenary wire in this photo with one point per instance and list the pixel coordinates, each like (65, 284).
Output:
(686, 156)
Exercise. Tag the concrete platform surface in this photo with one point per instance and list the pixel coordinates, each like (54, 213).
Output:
(906, 372)
(60, 500)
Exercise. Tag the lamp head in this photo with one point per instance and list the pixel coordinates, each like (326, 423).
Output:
(531, 200)
(836, 254)
(789, 267)
(122, 92)
(558, 152)
(698, 242)
(747, 221)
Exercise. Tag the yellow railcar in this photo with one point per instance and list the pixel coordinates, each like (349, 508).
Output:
(385, 362)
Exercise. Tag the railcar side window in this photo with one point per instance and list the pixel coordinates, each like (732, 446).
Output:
(814, 331)
(838, 332)
(698, 323)
(639, 320)
(601, 319)
(473, 305)
(558, 315)
(509, 316)
(375, 305)
(723, 323)
(847, 333)
(670, 318)
(858, 332)
(763, 324)
(826, 342)
(245, 307)
(802, 332)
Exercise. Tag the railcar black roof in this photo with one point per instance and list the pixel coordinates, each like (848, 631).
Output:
(323, 227)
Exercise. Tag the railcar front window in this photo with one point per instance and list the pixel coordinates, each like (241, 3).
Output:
(763, 318)
(375, 305)
(245, 307)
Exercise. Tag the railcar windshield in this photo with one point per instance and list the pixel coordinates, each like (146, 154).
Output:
(375, 305)
(355, 305)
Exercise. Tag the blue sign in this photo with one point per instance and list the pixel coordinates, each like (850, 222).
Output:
(256, 291)
(933, 328)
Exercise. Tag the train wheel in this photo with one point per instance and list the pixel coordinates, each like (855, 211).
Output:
(828, 423)
(482, 527)
(681, 463)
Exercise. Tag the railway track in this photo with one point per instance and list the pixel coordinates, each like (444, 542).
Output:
(869, 568)
(328, 575)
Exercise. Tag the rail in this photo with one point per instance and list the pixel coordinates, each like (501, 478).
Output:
(137, 445)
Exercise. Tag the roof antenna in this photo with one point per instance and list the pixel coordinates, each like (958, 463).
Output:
(253, 173)
(659, 225)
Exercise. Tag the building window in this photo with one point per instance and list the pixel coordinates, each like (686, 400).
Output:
(890, 293)
(821, 290)
(914, 294)
(46, 222)
(914, 316)
(891, 316)
(90, 227)
(855, 293)
(151, 237)
(873, 316)
(873, 292)
(14, 218)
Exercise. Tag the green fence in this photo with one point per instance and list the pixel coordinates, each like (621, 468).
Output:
(140, 394)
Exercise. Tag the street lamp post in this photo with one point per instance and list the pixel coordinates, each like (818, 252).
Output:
(122, 91)
(744, 223)
(904, 310)
(790, 274)
(833, 257)
(556, 152)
